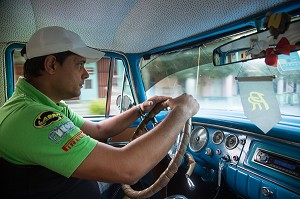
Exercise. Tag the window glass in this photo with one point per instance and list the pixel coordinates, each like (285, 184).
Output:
(95, 91)
(119, 83)
(192, 71)
(18, 64)
(92, 100)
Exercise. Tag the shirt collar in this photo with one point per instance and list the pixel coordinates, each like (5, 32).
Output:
(25, 88)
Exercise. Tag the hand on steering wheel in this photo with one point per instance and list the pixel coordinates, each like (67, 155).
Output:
(172, 168)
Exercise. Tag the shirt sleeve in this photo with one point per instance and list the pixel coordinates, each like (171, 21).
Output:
(75, 118)
(53, 140)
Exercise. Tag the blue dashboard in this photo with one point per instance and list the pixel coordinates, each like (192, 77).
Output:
(229, 149)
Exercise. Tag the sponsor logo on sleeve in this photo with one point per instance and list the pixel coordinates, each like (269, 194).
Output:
(61, 131)
(73, 140)
(46, 118)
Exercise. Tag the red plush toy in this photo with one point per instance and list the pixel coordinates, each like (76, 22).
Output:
(283, 47)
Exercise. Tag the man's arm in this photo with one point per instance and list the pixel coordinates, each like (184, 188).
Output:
(117, 124)
(130, 163)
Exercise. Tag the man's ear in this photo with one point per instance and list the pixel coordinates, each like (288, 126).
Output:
(50, 64)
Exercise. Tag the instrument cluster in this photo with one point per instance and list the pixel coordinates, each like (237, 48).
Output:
(217, 143)
(199, 138)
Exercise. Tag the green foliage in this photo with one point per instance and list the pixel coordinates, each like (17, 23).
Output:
(97, 107)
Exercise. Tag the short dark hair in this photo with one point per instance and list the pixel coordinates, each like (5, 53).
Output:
(34, 66)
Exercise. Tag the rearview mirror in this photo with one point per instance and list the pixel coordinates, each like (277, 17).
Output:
(254, 46)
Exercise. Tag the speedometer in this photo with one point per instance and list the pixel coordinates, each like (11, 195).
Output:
(198, 139)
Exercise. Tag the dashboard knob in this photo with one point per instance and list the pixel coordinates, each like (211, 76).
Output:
(208, 152)
(243, 141)
(235, 158)
(265, 191)
(226, 158)
(262, 157)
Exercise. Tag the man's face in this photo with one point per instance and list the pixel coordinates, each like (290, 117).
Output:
(70, 76)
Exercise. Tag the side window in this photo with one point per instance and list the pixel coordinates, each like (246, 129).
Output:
(120, 87)
(99, 91)
(18, 62)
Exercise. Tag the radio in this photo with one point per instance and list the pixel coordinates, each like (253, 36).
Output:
(277, 162)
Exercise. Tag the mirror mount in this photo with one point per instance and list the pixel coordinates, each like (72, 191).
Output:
(258, 25)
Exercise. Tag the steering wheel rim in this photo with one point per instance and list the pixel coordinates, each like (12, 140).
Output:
(174, 164)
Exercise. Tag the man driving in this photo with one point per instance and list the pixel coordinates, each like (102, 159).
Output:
(48, 151)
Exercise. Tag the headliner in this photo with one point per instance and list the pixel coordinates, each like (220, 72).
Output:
(130, 26)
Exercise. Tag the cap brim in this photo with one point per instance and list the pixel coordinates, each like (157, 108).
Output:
(91, 54)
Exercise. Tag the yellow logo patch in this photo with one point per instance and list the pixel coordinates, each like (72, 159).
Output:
(257, 100)
(46, 118)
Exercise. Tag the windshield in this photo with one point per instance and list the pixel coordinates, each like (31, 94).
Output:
(216, 88)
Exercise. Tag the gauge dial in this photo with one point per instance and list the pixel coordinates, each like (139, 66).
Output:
(198, 140)
(218, 137)
(231, 141)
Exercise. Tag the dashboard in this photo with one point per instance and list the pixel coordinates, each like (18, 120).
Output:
(252, 164)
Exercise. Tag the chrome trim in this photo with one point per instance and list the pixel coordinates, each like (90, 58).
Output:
(199, 137)
(268, 179)
(275, 154)
(249, 133)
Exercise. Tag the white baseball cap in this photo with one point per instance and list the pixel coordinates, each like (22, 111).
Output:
(54, 39)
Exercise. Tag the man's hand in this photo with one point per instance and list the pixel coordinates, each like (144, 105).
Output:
(149, 104)
(186, 103)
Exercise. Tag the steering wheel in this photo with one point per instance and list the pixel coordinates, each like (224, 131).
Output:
(172, 168)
